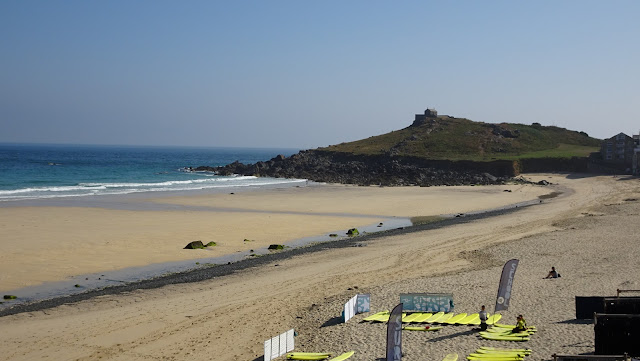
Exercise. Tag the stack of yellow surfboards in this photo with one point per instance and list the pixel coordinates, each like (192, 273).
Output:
(499, 354)
(311, 356)
(449, 318)
(501, 332)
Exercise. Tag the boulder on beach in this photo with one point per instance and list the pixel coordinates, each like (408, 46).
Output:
(194, 245)
(353, 232)
(276, 246)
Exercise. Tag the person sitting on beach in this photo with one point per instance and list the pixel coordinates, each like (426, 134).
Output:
(521, 325)
(553, 273)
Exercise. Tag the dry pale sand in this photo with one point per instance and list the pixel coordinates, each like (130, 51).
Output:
(40, 244)
(589, 233)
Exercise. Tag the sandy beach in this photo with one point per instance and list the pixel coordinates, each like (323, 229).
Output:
(41, 244)
(588, 233)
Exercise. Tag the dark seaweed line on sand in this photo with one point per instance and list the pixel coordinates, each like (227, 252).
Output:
(202, 274)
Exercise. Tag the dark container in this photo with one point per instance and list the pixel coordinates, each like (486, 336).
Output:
(616, 334)
(587, 306)
(626, 305)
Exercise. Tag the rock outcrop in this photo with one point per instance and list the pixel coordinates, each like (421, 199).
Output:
(384, 170)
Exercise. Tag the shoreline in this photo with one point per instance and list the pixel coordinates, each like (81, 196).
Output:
(221, 270)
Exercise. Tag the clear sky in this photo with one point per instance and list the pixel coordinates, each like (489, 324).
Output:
(305, 74)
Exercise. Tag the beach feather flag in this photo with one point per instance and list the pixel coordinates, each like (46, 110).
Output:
(506, 284)
(394, 334)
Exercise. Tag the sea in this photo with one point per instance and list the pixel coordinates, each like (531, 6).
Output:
(43, 171)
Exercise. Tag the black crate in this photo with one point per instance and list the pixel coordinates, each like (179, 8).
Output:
(586, 306)
(622, 305)
(616, 334)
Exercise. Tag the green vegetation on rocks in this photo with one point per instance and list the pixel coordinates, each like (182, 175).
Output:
(353, 232)
(449, 138)
(9, 297)
(276, 246)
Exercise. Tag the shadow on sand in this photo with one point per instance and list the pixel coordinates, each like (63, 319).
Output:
(576, 321)
(462, 333)
(583, 175)
(332, 321)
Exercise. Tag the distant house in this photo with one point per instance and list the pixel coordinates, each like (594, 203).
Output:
(421, 118)
(619, 150)
(429, 113)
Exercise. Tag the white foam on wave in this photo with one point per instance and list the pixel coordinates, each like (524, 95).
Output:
(87, 189)
(46, 189)
(167, 183)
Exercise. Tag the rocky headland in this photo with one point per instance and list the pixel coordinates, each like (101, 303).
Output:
(433, 151)
(384, 170)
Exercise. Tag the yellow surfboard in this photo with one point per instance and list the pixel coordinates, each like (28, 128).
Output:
(493, 352)
(424, 317)
(494, 318)
(451, 357)
(411, 317)
(500, 337)
(344, 356)
(503, 349)
(469, 318)
(375, 316)
(309, 356)
(444, 317)
(456, 318)
(497, 358)
(422, 328)
(435, 317)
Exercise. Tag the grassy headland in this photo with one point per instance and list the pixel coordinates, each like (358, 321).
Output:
(449, 138)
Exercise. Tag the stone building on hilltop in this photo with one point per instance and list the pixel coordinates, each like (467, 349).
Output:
(429, 114)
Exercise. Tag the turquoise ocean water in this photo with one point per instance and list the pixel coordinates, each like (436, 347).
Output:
(39, 171)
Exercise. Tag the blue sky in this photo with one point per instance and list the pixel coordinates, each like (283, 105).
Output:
(305, 74)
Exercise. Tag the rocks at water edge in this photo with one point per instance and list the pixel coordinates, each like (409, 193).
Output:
(383, 170)
(353, 232)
